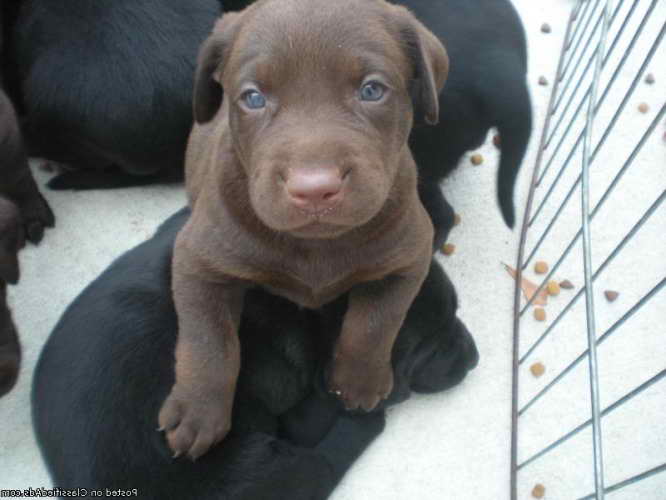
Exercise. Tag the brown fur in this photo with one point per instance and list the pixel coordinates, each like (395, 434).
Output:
(309, 58)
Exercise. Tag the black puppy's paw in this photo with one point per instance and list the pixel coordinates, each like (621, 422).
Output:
(440, 211)
(447, 365)
(36, 215)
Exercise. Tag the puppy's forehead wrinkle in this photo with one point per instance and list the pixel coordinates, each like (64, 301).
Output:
(309, 32)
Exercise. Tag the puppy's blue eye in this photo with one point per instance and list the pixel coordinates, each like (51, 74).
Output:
(372, 91)
(254, 99)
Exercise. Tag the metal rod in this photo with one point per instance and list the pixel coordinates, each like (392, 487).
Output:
(613, 121)
(602, 200)
(657, 203)
(513, 487)
(632, 480)
(620, 402)
(587, 68)
(633, 310)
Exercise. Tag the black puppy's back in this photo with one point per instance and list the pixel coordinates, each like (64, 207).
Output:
(109, 83)
(108, 365)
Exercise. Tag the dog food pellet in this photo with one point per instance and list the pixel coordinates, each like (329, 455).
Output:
(611, 295)
(545, 28)
(539, 314)
(538, 369)
(497, 141)
(476, 159)
(456, 219)
(643, 107)
(448, 249)
(649, 79)
(566, 284)
(543, 81)
(553, 288)
(538, 491)
(540, 267)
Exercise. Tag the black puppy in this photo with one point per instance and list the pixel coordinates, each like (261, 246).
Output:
(108, 365)
(107, 85)
(486, 87)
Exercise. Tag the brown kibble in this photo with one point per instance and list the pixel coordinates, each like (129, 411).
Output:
(539, 314)
(543, 80)
(537, 370)
(538, 491)
(476, 159)
(497, 141)
(456, 219)
(448, 249)
(611, 296)
(643, 107)
(566, 284)
(545, 28)
(540, 267)
(649, 78)
(553, 288)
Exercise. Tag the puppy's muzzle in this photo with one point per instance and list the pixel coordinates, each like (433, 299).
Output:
(315, 191)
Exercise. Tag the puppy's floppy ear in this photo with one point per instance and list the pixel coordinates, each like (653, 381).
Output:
(207, 89)
(430, 62)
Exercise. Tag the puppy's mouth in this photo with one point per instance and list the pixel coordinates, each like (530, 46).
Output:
(318, 228)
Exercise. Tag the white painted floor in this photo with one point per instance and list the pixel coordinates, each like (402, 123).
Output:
(453, 445)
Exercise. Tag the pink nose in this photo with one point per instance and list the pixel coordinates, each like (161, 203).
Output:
(314, 189)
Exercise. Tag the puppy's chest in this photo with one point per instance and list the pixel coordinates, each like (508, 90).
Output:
(318, 280)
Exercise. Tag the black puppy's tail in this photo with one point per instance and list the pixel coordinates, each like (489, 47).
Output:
(511, 110)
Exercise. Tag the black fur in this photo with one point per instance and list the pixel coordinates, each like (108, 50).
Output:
(108, 365)
(117, 99)
(486, 87)
(24, 213)
(107, 85)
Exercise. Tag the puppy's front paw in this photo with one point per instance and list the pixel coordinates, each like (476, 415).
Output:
(194, 420)
(359, 384)
(37, 216)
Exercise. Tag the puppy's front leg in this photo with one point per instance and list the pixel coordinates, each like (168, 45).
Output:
(197, 413)
(361, 373)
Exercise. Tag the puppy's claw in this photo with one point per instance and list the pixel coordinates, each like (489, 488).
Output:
(177, 454)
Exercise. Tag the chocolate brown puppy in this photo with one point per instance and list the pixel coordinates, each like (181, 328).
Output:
(301, 182)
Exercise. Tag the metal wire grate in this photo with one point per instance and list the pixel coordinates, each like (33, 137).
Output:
(606, 53)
